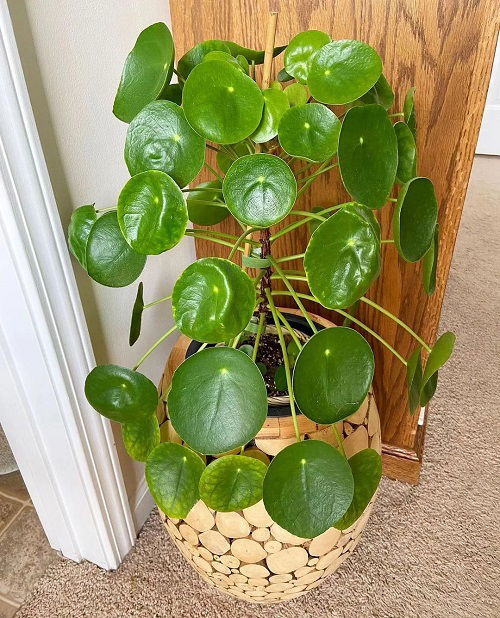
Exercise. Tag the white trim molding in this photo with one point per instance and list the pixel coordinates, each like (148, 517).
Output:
(65, 451)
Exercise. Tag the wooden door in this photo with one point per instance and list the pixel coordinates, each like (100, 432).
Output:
(445, 49)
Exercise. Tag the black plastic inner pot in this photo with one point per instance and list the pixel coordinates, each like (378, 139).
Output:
(297, 322)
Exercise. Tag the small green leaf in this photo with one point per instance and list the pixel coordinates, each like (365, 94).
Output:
(120, 394)
(160, 138)
(332, 374)
(262, 368)
(441, 352)
(308, 487)
(173, 473)
(147, 71)
(152, 212)
(343, 71)
(407, 153)
(342, 258)
(366, 468)
(224, 161)
(259, 189)
(218, 400)
(213, 300)
(252, 55)
(196, 55)
(81, 222)
(409, 111)
(368, 155)
(172, 92)
(309, 132)
(110, 260)
(206, 214)
(415, 218)
(381, 93)
(275, 105)
(301, 51)
(221, 103)
(280, 379)
(232, 483)
(243, 62)
(246, 349)
(283, 76)
(224, 56)
(429, 270)
(136, 320)
(414, 379)
(297, 94)
(141, 437)
(293, 351)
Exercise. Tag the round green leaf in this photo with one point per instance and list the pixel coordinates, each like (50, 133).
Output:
(381, 93)
(147, 71)
(280, 380)
(224, 56)
(136, 319)
(366, 468)
(415, 218)
(332, 374)
(81, 222)
(407, 152)
(308, 487)
(160, 138)
(246, 349)
(300, 52)
(414, 379)
(173, 473)
(196, 55)
(110, 260)
(275, 105)
(224, 160)
(342, 258)
(368, 154)
(120, 394)
(213, 300)
(232, 483)
(141, 437)
(243, 62)
(309, 132)
(439, 355)
(342, 71)
(206, 214)
(297, 94)
(429, 270)
(173, 92)
(218, 400)
(259, 189)
(409, 111)
(221, 103)
(152, 212)
(283, 76)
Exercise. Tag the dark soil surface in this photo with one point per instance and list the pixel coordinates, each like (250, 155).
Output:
(271, 355)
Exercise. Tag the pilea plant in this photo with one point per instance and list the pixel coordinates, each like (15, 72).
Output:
(328, 109)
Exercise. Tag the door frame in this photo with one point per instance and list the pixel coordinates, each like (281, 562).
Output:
(65, 451)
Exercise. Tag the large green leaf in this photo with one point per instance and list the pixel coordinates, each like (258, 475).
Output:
(136, 319)
(252, 55)
(297, 94)
(308, 487)
(232, 483)
(259, 189)
(415, 219)
(147, 71)
(380, 93)
(120, 394)
(368, 154)
(342, 71)
(441, 352)
(221, 103)
(173, 473)
(366, 468)
(342, 258)
(429, 266)
(152, 212)
(206, 214)
(160, 138)
(224, 160)
(213, 300)
(110, 260)
(309, 132)
(275, 105)
(414, 379)
(301, 51)
(218, 400)
(81, 222)
(409, 111)
(407, 152)
(141, 437)
(332, 374)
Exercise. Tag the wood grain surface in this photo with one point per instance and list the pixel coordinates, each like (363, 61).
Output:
(445, 49)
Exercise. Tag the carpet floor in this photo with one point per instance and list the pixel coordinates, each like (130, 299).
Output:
(428, 551)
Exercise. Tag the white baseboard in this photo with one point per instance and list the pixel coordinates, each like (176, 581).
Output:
(141, 505)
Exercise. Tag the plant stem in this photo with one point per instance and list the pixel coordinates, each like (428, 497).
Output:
(285, 362)
(208, 203)
(397, 320)
(352, 318)
(211, 169)
(153, 347)
(288, 258)
(308, 214)
(239, 240)
(106, 209)
(236, 340)
(218, 241)
(260, 330)
(286, 324)
(310, 217)
(294, 294)
(305, 168)
(202, 347)
(157, 302)
(322, 169)
(392, 199)
(189, 190)
(386, 241)
(179, 75)
(339, 439)
(214, 148)
(217, 233)
(291, 277)
(395, 115)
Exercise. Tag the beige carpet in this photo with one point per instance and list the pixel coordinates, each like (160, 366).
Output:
(429, 551)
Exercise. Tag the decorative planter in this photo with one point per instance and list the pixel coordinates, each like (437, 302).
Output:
(245, 553)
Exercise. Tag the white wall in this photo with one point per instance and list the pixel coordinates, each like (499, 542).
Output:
(72, 53)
